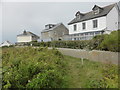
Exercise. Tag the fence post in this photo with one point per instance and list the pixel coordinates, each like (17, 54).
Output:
(82, 60)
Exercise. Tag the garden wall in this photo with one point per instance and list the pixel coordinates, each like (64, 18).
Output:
(95, 55)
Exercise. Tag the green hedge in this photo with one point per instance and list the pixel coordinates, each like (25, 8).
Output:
(105, 42)
(64, 44)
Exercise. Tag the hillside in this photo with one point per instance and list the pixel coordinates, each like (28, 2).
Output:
(42, 68)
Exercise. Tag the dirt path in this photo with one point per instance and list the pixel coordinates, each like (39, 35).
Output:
(73, 73)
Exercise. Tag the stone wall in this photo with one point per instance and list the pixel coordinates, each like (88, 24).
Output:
(95, 55)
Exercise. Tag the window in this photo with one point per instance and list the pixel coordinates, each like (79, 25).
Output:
(84, 25)
(74, 34)
(74, 38)
(96, 11)
(97, 33)
(86, 33)
(91, 33)
(75, 27)
(95, 23)
(82, 34)
(77, 15)
(55, 33)
(77, 38)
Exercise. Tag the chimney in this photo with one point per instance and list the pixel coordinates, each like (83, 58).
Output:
(24, 32)
(48, 26)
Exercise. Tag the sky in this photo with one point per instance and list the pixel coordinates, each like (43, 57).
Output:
(33, 16)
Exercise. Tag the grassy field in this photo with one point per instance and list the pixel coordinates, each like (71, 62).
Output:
(42, 68)
(90, 74)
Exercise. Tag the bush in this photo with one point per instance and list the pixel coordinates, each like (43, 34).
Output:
(32, 68)
(111, 42)
(109, 78)
(96, 41)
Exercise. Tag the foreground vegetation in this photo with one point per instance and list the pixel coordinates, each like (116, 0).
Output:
(32, 68)
(105, 42)
(42, 68)
(91, 74)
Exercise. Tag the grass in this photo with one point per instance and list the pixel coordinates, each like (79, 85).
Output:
(90, 74)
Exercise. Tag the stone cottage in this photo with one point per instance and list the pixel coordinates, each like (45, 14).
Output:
(54, 32)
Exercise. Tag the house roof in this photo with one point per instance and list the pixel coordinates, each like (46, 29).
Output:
(6, 43)
(27, 34)
(96, 6)
(118, 4)
(91, 15)
(50, 29)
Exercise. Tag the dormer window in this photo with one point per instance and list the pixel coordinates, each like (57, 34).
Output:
(48, 26)
(79, 15)
(96, 9)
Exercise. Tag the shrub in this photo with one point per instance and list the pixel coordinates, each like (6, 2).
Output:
(96, 41)
(109, 78)
(32, 68)
(111, 42)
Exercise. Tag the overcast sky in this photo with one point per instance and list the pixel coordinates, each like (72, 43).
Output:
(33, 16)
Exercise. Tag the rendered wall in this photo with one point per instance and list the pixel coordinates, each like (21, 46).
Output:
(89, 25)
(99, 56)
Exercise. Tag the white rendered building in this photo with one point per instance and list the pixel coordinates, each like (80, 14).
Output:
(101, 20)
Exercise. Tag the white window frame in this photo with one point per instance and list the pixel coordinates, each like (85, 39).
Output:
(95, 23)
(75, 27)
(83, 27)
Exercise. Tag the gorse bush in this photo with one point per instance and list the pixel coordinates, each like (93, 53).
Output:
(108, 79)
(105, 42)
(96, 41)
(32, 68)
(111, 42)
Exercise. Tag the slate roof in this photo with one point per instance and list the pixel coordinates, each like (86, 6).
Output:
(7, 42)
(28, 34)
(46, 30)
(91, 15)
(118, 4)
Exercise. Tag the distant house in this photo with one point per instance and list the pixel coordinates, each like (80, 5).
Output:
(54, 32)
(6, 43)
(101, 20)
(26, 37)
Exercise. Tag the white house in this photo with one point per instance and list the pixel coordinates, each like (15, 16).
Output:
(100, 20)
(6, 43)
(26, 37)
